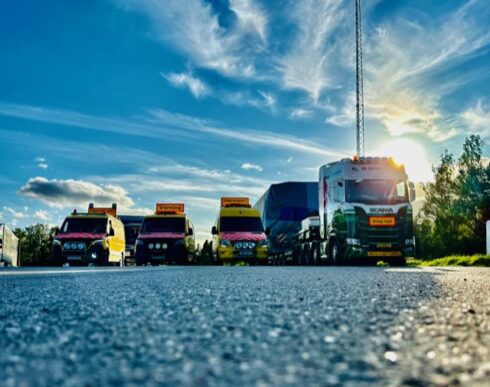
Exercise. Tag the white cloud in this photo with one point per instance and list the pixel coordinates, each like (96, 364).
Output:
(193, 27)
(251, 166)
(250, 16)
(14, 213)
(399, 89)
(42, 215)
(161, 124)
(300, 114)
(477, 118)
(197, 87)
(61, 193)
(269, 99)
(306, 65)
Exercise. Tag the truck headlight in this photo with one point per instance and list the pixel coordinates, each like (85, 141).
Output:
(164, 246)
(151, 246)
(157, 246)
(410, 241)
(93, 255)
(353, 241)
(224, 243)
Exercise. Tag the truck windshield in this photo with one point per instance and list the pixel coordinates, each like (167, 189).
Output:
(163, 225)
(89, 225)
(242, 223)
(376, 191)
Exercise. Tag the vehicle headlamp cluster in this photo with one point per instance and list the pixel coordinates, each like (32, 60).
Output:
(74, 246)
(157, 246)
(244, 245)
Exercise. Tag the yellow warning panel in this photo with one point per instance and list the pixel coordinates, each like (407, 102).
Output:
(381, 221)
(170, 208)
(235, 202)
(103, 211)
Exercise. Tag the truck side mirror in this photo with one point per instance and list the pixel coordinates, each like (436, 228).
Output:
(214, 230)
(191, 231)
(412, 192)
(267, 231)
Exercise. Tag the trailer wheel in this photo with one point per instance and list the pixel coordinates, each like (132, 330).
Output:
(306, 255)
(334, 251)
(315, 254)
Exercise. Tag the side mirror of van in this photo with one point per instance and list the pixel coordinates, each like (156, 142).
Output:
(214, 230)
(412, 192)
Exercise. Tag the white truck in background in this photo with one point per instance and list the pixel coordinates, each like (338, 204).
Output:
(9, 247)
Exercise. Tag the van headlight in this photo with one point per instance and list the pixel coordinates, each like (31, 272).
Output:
(151, 246)
(224, 243)
(410, 241)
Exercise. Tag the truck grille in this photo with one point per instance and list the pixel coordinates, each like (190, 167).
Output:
(382, 238)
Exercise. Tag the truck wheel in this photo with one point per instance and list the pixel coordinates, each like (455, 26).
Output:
(334, 252)
(306, 256)
(315, 254)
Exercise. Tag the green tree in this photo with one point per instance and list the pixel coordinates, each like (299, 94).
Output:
(457, 205)
(35, 244)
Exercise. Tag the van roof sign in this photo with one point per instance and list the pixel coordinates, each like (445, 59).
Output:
(170, 208)
(102, 211)
(235, 202)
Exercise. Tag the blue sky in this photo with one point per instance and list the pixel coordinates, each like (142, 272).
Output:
(139, 101)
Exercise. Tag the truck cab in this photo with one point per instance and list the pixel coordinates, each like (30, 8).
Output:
(96, 237)
(365, 210)
(166, 237)
(239, 234)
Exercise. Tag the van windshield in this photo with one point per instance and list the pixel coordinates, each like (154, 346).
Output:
(88, 225)
(376, 191)
(163, 225)
(241, 223)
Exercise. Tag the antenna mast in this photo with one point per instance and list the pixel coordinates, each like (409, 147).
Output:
(359, 84)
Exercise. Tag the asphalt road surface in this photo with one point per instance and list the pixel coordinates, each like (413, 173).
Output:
(245, 326)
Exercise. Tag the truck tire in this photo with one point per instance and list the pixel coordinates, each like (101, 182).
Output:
(315, 254)
(306, 255)
(334, 251)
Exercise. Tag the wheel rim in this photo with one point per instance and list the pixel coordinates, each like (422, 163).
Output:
(335, 253)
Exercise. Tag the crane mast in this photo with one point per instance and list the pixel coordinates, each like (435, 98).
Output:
(359, 84)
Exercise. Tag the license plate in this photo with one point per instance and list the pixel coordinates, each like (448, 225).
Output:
(159, 257)
(72, 258)
(381, 221)
(245, 253)
(384, 254)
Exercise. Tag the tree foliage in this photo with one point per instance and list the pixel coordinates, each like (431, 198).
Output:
(457, 204)
(35, 244)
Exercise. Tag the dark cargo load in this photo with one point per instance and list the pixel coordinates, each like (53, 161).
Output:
(282, 208)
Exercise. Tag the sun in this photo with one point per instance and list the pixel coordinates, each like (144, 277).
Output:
(412, 155)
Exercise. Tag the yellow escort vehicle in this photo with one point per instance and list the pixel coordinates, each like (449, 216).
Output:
(166, 237)
(96, 237)
(239, 234)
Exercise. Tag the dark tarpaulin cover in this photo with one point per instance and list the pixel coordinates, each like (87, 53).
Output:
(282, 208)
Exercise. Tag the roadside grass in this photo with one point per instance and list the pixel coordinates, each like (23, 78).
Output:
(479, 260)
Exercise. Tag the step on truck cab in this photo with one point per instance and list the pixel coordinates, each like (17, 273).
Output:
(93, 238)
(166, 237)
(9, 247)
(239, 234)
(365, 211)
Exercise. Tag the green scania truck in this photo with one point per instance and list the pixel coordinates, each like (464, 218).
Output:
(365, 214)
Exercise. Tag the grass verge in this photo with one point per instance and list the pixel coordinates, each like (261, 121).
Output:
(453, 260)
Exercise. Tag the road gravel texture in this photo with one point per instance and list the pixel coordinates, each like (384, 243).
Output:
(252, 326)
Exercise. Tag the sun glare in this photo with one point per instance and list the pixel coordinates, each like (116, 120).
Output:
(412, 155)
